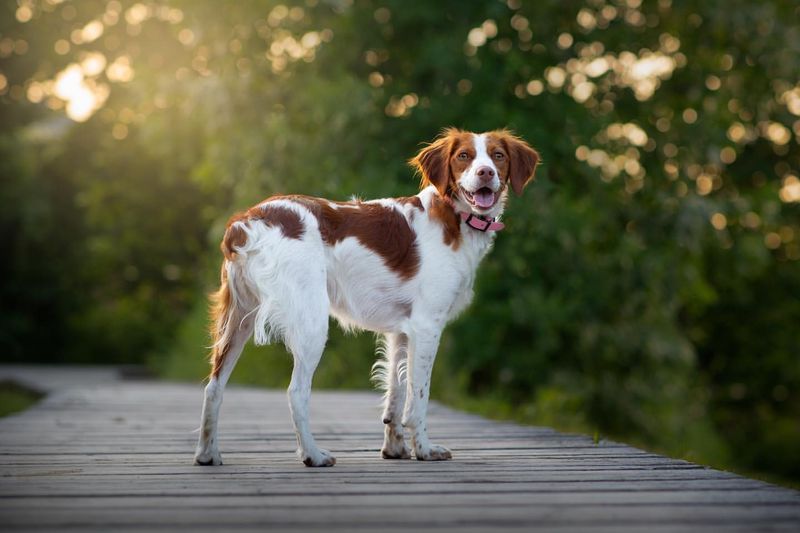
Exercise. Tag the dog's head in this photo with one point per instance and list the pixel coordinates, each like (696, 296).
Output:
(475, 170)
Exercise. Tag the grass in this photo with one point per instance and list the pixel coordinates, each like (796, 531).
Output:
(15, 398)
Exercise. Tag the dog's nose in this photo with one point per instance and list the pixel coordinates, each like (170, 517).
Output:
(485, 173)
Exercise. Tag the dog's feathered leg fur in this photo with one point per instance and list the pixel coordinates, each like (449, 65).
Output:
(389, 370)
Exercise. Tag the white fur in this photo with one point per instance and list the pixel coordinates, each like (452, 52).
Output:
(292, 285)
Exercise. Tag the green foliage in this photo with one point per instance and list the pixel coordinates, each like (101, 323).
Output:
(646, 287)
(14, 398)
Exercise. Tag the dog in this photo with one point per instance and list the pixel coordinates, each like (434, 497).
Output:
(400, 267)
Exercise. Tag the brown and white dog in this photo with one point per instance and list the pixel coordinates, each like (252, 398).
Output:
(401, 267)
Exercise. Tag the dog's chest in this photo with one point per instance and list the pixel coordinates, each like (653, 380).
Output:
(466, 261)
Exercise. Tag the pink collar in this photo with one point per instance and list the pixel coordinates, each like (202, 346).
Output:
(480, 222)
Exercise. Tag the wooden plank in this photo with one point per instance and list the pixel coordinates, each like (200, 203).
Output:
(496, 515)
(415, 500)
(116, 455)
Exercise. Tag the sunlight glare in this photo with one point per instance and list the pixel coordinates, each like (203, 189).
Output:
(775, 132)
(93, 64)
(81, 104)
(790, 192)
(120, 70)
(83, 97)
(791, 99)
(24, 13)
(92, 31)
(136, 14)
(68, 81)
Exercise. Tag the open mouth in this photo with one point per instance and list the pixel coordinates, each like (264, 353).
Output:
(483, 198)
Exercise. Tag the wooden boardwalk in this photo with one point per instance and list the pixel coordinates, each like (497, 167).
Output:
(116, 455)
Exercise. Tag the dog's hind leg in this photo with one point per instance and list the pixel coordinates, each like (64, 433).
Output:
(299, 307)
(306, 341)
(230, 331)
(392, 374)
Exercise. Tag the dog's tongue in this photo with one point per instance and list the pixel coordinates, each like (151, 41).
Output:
(484, 198)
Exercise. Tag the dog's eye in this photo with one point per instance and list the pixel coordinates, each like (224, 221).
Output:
(499, 155)
(463, 156)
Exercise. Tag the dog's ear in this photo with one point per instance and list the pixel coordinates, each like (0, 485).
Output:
(522, 162)
(433, 163)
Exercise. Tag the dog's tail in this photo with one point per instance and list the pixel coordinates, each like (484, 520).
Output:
(225, 309)
(221, 312)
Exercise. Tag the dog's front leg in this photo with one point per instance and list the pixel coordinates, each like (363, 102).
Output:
(422, 352)
(396, 352)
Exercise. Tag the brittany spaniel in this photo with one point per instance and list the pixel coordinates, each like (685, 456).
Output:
(401, 267)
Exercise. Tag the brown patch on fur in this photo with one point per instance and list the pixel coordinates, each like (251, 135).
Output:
(219, 313)
(287, 220)
(235, 237)
(384, 230)
(462, 143)
(438, 162)
(432, 163)
(522, 159)
(442, 211)
(498, 152)
(413, 200)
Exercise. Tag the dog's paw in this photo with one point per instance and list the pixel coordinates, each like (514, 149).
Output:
(433, 453)
(395, 452)
(317, 457)
(394, 443)
(207, 459)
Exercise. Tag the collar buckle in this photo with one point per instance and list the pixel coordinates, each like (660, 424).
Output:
(482, 223)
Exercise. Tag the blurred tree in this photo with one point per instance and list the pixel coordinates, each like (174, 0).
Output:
(647, 285)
